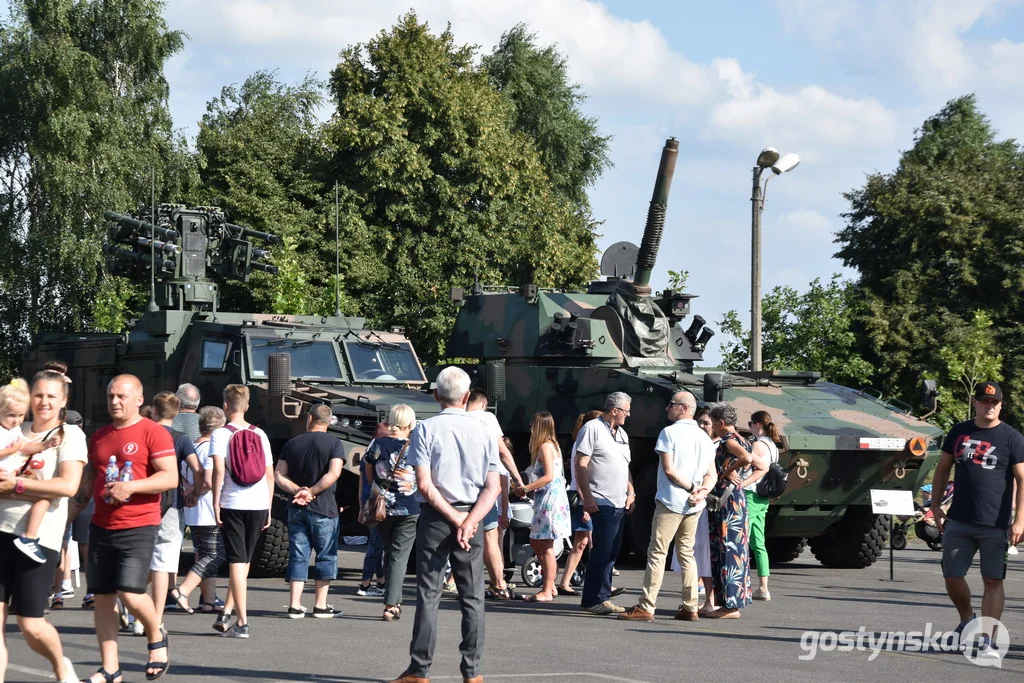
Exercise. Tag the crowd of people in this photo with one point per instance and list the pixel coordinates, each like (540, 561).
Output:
(437, 490)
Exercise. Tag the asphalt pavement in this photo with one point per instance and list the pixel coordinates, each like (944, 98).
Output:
(558, 642)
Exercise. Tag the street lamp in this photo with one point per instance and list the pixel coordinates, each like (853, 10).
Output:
(768, 158)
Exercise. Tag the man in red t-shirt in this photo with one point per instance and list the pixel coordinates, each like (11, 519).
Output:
(126, 520)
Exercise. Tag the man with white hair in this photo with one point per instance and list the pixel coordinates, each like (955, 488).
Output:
(187, 419)
(456, 463)
(686, 472)
(606, 488)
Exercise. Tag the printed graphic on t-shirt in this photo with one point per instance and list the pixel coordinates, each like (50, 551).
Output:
(976, 451)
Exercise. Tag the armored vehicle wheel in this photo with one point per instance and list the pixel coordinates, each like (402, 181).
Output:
(533, 576)
(784, 548)
(854, 542)
(271, 556)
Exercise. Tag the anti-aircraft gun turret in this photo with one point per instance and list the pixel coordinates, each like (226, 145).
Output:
(564, 351)
(191, 248)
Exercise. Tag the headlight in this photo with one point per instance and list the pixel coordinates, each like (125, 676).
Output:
(344, 422)
(357, 424)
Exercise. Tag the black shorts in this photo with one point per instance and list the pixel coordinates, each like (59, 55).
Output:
(24, 582)
(119, 559)
(241, 530)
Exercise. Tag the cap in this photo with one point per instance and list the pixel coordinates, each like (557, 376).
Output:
(73, 417)
(988, 390)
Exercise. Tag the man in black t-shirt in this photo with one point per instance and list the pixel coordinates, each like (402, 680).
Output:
(989, 457)
(309, 466)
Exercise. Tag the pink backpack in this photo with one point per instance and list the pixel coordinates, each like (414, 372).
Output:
(246, 459)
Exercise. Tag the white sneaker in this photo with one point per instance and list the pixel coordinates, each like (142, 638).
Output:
(1012, 550)
(69, 673)
(137, 628)
(762, 595)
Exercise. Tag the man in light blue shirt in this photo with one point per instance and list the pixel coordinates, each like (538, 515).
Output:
(456, 463)
(686, 472)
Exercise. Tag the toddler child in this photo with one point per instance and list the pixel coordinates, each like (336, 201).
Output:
(14, 399)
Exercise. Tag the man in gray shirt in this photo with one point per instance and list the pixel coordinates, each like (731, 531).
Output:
(187, 419)
(606, 488)
(456, 463)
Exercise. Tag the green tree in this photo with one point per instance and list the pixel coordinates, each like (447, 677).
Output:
(83, 120)
(546, 107)
(262, 154)
(935, 241)
(438, 185)
(970, 357)
(809, 331)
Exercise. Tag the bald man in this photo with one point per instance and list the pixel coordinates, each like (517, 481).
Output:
(686, 472)
(126, 520)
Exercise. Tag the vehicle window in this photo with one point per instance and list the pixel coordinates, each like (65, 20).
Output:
(309, 358)
(215, 353)
(383, 362)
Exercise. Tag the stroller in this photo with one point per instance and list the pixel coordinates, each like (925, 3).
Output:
(925, 527)
(518, 552)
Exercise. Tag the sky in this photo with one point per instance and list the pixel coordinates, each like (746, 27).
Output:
(842, 83)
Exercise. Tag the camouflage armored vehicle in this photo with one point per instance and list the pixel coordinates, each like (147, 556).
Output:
(563, 351)
(289, 362)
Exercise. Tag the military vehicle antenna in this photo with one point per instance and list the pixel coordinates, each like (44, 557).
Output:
(337, 258)
(152, 307)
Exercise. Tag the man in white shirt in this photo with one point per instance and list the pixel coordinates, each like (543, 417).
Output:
(496, 521)
(686, 472)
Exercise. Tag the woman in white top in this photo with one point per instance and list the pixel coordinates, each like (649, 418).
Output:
(62, 448)
(199, 517)
(765, 451)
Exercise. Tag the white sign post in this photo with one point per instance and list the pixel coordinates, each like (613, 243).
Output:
(894, 504)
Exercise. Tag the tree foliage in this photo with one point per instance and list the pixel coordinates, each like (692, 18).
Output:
(809, 331)
(438, 184)
(970, 357)
(83, 120)
(936, 241)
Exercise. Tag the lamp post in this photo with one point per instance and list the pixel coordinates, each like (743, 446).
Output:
(768, 158)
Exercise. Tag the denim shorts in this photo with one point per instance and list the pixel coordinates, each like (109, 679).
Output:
(961, 541)
(576, 517)
(309, 532)
(490, 520)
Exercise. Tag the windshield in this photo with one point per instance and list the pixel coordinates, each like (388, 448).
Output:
(384, 362)
(310, 359)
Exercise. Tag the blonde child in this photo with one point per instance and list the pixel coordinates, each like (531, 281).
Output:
(13, 408)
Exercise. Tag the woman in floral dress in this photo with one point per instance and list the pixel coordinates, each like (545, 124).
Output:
(551, 519)
(730, 565)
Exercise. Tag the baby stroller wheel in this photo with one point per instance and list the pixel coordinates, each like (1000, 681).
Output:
(935, 545)
(898, 539)
(533, 576)
(576, 580)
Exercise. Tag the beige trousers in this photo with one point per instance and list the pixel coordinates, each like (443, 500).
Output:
(671, 526)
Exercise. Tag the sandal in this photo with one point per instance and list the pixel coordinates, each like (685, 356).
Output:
(161, 667)
(107, 676)
(567, 591)
(178, 598)
(392, 613)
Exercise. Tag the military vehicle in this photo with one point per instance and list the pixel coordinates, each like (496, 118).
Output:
(564, 351)
(289, 362)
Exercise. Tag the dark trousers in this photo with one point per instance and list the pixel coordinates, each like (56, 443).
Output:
(608, 526)
(435, 545)
(399, 536)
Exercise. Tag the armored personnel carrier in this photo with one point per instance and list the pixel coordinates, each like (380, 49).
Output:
(289, 362)
(564, 351)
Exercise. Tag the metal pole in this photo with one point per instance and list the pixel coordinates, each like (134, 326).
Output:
(890, 549)
(756, 209)
(337, 257)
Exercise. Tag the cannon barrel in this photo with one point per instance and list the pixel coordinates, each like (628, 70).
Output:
(141, 257)
(244, 232)
(141, 226)
(171, 249)
(264, 267)
(656, 215)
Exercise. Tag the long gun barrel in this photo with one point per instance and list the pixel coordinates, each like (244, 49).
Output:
(656, 216)
(244, 232)
(141, 226)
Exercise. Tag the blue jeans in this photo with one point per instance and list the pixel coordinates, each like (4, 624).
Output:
(309, 531)
(373, 561)
(608, 526)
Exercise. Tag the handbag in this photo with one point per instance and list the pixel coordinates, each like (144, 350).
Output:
(374, 509)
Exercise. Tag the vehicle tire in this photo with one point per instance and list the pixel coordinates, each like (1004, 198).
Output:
(783, 549)
(532, 574)
(898, 540)
(270, 559)
(854, 542)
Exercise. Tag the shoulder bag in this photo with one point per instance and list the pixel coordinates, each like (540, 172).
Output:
(374, 509)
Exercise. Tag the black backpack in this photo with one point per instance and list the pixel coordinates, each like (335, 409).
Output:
(773, 483)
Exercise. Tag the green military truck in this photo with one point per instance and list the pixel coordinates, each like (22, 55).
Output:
(564, 351)
(289, 362)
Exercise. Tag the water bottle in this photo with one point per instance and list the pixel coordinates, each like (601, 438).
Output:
(111, 475)
(126, 475)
